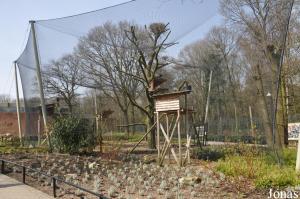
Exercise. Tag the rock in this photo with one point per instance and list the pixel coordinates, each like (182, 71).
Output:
(194, 194)
(112, 192)
(189, 180)
(47, 183)
(16, 169)
(70, 177)
(160, 192)
(150, 197)
(297, 188)
(142, 192)
(62, 168)
(169, 195)
(67, 163)
(163, 185)
(35, 164)
(92, 165)
(222, 176)
(148, 159)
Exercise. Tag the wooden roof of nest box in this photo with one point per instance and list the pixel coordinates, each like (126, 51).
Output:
(169, 101)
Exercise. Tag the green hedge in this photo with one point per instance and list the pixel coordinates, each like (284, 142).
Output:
(72, 135)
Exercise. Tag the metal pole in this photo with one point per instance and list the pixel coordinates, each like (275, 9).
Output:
(39, 130)
(23, 174)
(251, 122)
(39, 79)
(208, 97)
(157, 135)
(186, 115)
(2, 166)
(97, 121)
(54, 187)
(18, 104)
(179, 139)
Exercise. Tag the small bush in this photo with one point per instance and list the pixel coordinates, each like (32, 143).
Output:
(260, 167)
(71, 135)
(210, 154)
(277, 177)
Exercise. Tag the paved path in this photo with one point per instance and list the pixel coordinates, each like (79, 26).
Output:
(13, 189)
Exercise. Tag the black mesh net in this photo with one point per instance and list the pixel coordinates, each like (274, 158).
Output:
(57, 38)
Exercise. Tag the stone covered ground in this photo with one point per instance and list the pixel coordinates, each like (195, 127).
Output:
(135, 176)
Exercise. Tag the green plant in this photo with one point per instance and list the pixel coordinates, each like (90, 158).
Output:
(71, 134)
(210, 154)
(259, 166)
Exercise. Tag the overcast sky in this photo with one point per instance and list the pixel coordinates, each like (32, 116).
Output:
(15, 14)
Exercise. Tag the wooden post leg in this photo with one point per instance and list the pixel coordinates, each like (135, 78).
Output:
(179, 139)
(168, 134)
(188, 148)
(157, 136)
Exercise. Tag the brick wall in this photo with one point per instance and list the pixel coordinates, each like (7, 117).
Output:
(9, 123)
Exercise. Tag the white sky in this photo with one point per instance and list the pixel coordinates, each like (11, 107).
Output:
(15, 14)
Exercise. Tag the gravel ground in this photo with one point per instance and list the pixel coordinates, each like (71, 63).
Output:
(129, 177)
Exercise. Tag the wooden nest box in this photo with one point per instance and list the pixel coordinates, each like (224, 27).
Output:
(165, 105)
(170, 102)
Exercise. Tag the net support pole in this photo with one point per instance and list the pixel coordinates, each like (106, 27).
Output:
(208, 97)
(39, 79)
(18, 104)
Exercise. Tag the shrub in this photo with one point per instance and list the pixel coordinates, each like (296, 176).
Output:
(277, 177)
(261, 168)
(210, 154)
(71, 135)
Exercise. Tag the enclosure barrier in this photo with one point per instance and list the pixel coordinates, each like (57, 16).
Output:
(54, 179)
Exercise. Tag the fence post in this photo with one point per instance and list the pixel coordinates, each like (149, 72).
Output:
(2, 166)
(54, 187)
(23, 174)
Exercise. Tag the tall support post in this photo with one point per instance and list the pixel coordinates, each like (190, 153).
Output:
(208, 97)
(179, 139)
(251, 122)
(18, 104)
(96, 109)
(168, 134)
(39, 130)
(157, 135)
(236, 120)
(39, 80)
(186, 115)
(97, 121)
(298, 156)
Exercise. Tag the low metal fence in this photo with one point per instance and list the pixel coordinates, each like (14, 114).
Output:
(53, 178)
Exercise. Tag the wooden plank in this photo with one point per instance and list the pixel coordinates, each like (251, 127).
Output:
(165, 105)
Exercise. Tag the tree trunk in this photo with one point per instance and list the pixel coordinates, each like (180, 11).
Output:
(133, 119)
(150, 122)
(264, 108)
(281, 117)
(70, 108)
(126, 121)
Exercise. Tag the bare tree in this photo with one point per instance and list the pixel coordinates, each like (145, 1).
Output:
(62, 79)
(150, 45)
(262, 24)
(108, 57)
(5, 99)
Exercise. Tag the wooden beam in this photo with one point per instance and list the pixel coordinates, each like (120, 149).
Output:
(144, 136)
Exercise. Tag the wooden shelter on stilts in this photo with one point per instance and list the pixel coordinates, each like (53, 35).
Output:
(171, 110)
(171, 106)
